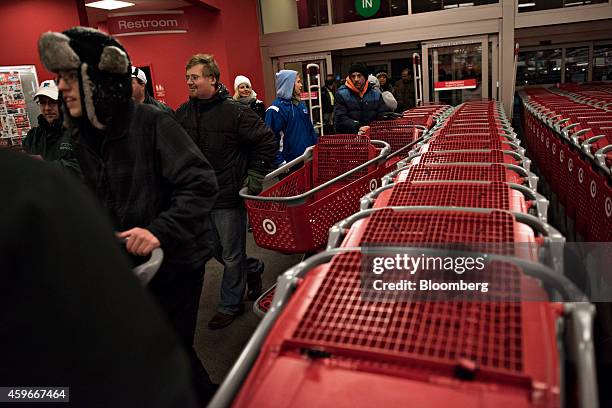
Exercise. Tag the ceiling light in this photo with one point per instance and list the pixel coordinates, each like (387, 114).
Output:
(448, 6)
(109, 4)
(575, 3)
(465, 4)
(526, 5)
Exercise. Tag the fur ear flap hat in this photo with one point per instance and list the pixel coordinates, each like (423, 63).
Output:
(102, 65)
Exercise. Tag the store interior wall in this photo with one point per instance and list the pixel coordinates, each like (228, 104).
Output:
(22, 24)
(279, 15)
(230, 33)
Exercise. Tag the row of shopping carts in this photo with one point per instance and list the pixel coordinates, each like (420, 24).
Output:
(458, 183)
(569, 134)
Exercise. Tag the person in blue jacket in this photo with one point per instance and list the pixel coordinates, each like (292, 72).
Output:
(288, 118)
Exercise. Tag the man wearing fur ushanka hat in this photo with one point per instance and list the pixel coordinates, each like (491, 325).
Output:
(144, 169)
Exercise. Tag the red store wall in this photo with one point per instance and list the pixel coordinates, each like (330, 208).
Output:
(230, 32)
(23, 21)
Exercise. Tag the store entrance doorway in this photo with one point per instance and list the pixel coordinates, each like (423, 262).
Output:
(300, 63)
(460, 70)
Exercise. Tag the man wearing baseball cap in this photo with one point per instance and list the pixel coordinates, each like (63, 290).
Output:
(139, 91)
(50, 140)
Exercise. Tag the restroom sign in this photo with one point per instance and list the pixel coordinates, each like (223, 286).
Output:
(367, 8)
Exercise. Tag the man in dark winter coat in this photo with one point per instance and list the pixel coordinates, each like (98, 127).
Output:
(50, 140)
(144, 169)
(139, 91)
(404, 91)
(71, 312)
(240, 148)
(357, 104)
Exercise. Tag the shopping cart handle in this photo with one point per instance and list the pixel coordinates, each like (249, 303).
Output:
(601, 155)
(581, 349)
(301, 198)
(286, 167)
(586, 145)
(147, 270)
(540, 201)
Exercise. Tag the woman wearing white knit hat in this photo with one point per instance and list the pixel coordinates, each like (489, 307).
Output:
(244, 93)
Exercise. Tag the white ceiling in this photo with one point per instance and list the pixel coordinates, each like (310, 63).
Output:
(95, 15)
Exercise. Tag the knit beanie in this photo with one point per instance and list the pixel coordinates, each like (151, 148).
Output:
(241, 79)
(103, 68)
(359, 67)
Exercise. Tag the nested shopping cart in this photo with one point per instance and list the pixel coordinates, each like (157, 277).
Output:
(503, 172)
(322, 344)
(398, 133)
(295, 214)
(488, 230)
(474, 194)
(469, 156)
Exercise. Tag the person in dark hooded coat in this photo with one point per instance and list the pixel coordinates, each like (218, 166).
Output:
(50, 140)
(144, 169)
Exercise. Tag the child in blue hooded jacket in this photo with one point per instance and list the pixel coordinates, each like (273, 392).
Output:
(288, 118)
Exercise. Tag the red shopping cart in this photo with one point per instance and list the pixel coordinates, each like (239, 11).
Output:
(321, 341)
(465, 172)
(294, 215)
(475, 194)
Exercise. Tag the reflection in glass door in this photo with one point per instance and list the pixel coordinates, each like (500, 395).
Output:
(456, 70)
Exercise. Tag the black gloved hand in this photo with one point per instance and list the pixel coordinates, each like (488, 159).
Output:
(254, 182)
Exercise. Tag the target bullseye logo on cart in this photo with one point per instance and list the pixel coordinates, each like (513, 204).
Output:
(547, 143)
(593, 189)
(608, 207)
(570, 165)
(554, 149)
(269, 226)
(580, 175)
(373, 184)
(561, 156)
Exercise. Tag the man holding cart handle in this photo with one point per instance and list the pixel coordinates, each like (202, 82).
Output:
(144, 169)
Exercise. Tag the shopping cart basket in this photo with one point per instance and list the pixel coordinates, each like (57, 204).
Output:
(295, 214)
(320, 342)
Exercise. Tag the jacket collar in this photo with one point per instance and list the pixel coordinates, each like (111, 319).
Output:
(55, 125)
(349, 84)
(221, 94)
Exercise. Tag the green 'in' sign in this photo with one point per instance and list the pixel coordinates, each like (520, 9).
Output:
(367, 8)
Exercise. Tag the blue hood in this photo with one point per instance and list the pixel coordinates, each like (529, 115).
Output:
(285, 82)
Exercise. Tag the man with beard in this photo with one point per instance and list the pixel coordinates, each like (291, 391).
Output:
(357, 103)
(240, 148)
(50, 140)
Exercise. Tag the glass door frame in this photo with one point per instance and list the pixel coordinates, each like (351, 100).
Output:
(485, 70)
(279, 63)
